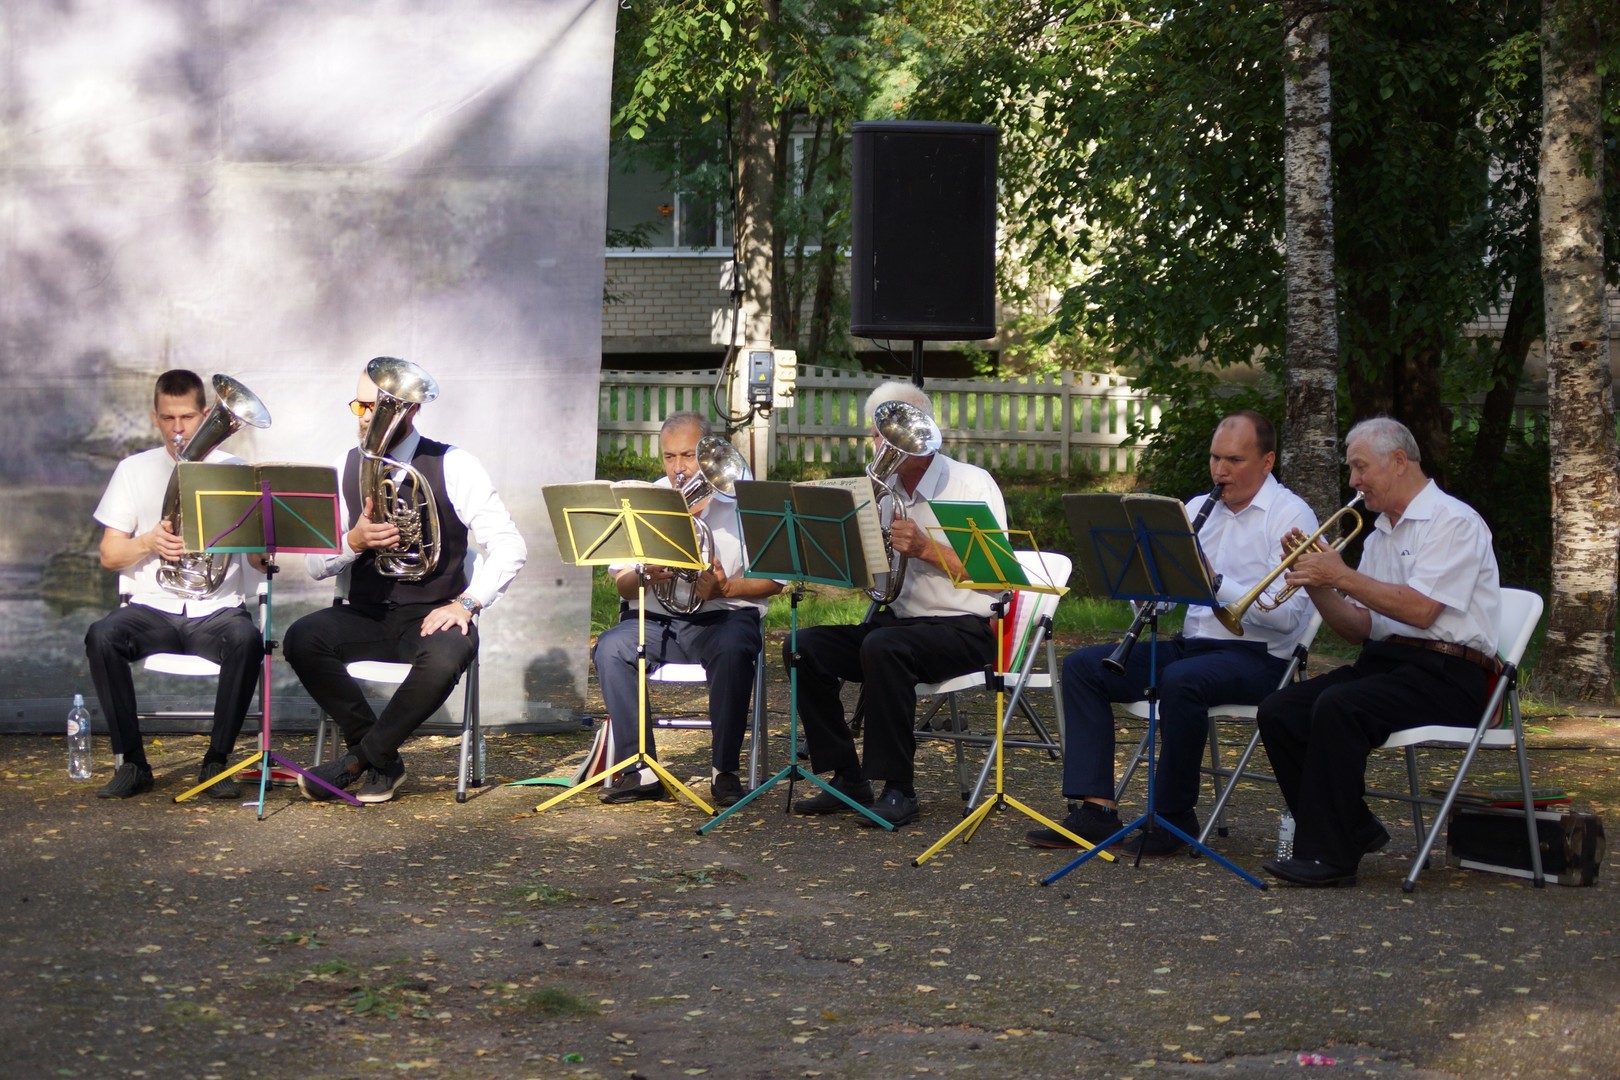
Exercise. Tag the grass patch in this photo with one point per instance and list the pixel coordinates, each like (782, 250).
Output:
(329, 968)
(554, 1001)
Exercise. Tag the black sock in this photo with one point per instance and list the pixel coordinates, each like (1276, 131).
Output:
(214, 757)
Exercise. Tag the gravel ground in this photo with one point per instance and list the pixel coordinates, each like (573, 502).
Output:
(421, 937)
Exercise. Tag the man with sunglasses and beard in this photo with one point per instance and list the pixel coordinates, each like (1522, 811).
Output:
(427, 623)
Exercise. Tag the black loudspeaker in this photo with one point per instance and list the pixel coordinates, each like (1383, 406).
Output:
(924, 243)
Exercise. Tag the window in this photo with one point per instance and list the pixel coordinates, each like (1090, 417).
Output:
(667, 197)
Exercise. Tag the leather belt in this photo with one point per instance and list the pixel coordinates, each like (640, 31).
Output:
(1473, 656)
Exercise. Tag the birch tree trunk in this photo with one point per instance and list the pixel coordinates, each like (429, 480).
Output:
(1577, 660)
(1310, 444)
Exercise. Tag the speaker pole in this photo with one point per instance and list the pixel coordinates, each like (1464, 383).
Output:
(916, 361)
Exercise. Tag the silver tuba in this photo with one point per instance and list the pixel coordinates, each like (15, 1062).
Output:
(399, 492)
(903, 431)
(199, 574)
(719, 466)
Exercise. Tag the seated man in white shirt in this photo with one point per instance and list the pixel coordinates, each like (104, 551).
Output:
(724, 633)
(426, 621)
(931, 632)
(1204, 665)
(136, 540)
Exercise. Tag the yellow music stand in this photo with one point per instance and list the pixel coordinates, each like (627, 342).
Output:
(989, 562)
(599, 524)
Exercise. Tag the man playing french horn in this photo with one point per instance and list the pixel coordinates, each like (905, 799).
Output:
(404, 572)
(930, 632)
(714, 618)
(139, 542)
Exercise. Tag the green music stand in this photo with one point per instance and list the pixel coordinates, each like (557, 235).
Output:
(989, 562)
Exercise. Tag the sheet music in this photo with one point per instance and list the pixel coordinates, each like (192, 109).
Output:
(867, 525)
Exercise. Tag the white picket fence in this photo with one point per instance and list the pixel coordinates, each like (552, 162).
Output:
(1041, 423)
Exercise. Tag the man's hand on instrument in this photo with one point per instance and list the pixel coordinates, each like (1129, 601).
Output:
(1320, 567)
(657, 575)
(909, 539)
(163, 543)
(445, 617)
(368, 535)
(712, 583)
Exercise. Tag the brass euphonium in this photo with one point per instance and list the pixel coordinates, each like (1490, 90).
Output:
(719, 466)
(1231, 615)
(903, 431)
(399, 493)
(199, 574)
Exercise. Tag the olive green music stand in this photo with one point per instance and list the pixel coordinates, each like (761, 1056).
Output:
(600, 524)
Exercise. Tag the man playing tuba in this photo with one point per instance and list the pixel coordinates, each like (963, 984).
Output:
(138, 541)
(716, 620)
(931, 632)
(410, 597)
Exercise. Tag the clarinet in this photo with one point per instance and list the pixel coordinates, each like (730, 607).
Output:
(1116, 659)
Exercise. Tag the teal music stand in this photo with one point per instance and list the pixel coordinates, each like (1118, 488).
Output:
(799, 533)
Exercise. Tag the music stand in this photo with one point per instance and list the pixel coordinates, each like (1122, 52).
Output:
(989, 562)
(1143, 548)
(250, 509)
(800, 533)
(602, 524)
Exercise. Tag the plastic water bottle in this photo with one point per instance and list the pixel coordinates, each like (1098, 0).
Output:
(1285, 836)
(78, 739)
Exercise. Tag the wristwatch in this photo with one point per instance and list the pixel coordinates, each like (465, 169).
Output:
(472, 606)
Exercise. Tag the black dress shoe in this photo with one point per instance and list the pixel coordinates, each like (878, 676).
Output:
(726, 789)
(130, 778)
(627, 787)
(221, 789)
(1309, 873)
(895, 808)
(1375, 841)
(827, 803)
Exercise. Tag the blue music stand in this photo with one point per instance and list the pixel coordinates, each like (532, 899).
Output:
(1143, 548)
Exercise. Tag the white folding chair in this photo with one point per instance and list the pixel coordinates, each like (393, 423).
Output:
(694, 673)
(471, 764)
(1217, 713)
(1026, 629)
(188, 666)
(1500, 727)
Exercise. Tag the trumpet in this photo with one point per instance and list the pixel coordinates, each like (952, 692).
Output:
(1231, 615)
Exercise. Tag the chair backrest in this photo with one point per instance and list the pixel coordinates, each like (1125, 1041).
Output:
(1516, 621)
(1029, 607)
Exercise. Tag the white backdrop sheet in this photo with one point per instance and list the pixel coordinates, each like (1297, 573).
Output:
(280, 190)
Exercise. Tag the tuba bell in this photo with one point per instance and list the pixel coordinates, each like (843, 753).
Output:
(719, 466)
(200, 574)
(399, 493)
(903, 431)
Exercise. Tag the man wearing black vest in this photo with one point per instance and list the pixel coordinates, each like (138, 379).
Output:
(426, 623)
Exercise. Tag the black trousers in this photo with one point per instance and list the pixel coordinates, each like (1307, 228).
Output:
(136, 631)
(1319, 734)
(726, 643)
(322, 643)
(889, 656)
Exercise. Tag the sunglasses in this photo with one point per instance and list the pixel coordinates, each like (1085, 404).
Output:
(360, 408)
